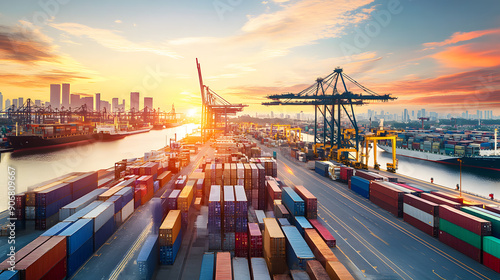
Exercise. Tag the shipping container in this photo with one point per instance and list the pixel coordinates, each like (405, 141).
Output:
(297, 251)
(77, 234)
(255, 241)
(283, 222)
(57, 272)
(170, 228)
(24, 251)
(467, 221)
(147, 260)
(172, 200)
(229, 209)
(274, 239)
(293, 202)
(337, 271)
(101, 214)
(223, 270)
(360, 186)
(104, 233)
(370, 176)
(241, 269)
(168, 254)
(42, 259)
(492, 217)
(439, 200)
(321, 251)
(299, 275)
(57, 228)
(316, 271)
(79, 204)
(259, 269)
(301, 223)
(323, 232)
(207, 266)
(79, 257)
(463, 247)
(449, 196)
(311, 202)
(10, 275)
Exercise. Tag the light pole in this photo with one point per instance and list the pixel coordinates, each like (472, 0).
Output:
(459, 160)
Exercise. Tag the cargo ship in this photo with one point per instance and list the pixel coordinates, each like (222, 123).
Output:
(470, 148)
(110, 132)
(36, 136)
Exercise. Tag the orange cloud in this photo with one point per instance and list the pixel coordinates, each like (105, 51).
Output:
(470, 55)
(24, 46)
(40, 80)
(463, 36)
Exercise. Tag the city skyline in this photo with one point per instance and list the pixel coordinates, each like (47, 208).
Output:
(252, 49)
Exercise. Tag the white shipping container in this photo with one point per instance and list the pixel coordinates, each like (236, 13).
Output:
(101, 214)
(79, 204)
(259, 269)
(127, 210)
(418, 214)
(241, 270)
(240, 171)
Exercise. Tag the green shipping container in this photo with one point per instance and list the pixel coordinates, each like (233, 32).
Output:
(491, 245)
(460, 233)
(495, 221)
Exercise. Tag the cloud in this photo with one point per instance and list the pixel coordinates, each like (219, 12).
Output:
(40, 80)
(470, 56)
(118, 21)
(462, 36)
(22, 44)
(111, 39)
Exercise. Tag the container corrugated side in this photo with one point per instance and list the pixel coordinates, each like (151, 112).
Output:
(24, 251)
(422, 204)
(321, 251)
(79, 204)
(460, 245)
(104, 233)
(147, 260)
(274, 239)
(297, 251)
(79, 257)
(316, 271)
(127, 210)
(419, 215)
(207, 266)
(223, 269)
(42, 259)
(259, 269)
(470, 222)
(83, 212)
(170, 228)
(101, 214)
(311, 202)
(323, 232)
(76, 234)
(460, 233)
(337, 271)
(495, 220)
(491, 245)
(241, 269)
(293, 202)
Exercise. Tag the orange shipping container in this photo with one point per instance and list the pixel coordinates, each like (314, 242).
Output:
(42, 259)
(321, 251)
(274, 239)
(185, 198)
(164, 178)
(223, 269)
(170, 228)
(109, 193)
(316, 271)
(337, 271)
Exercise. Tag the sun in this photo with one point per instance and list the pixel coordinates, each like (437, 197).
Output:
(191, 112)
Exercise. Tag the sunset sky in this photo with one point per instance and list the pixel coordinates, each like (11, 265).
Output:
(439, 55)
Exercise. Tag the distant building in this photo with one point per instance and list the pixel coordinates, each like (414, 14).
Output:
(134, 101)
(98, 102)
(148, 102)
(89, 102)
(65, 96)
(14, 103)
(20, 101)
(75, 101)
(105, 105)
(7, 104)
(55, 96)
(38, 102)
(114, 105)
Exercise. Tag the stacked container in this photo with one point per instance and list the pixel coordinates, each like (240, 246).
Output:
(214, 218)
(147, 261)
(387, 197)
(127, 204)
(293, 202)
(172, 200)
(311, 202)
(440, 201)
(80, 244)
(104, 222)
(255, 244)
(360, 186)
(223, 270)
(185, 200)
(229, 226)
(273, 193)
(462, 231)
(79, 204)
(219, 171)
(346, 173)
(371, 176)
(323, 232)
(48, 202)
(321, 167)
(274, 247)
(297, 251)
(301, 223)
(170, 237)
(261, 181)
(241, 222)
(421, 214)
(491, 252)
(487, 215)
(241, 269)
(316, 271)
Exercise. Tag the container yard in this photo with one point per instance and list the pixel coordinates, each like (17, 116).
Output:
(234, 209)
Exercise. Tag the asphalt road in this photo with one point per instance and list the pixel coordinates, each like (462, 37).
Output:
(371, 242)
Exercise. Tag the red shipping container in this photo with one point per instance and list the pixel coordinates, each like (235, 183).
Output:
(58, 272)
(386, 199)
(254, 240)
(461, 246)
(241, 244)
(42, 259)
(147, 196)
(316, 271)
(467, 221)
(421, 204)
(390, 208)
(439, 200)
(449, 196)
(311, 202)
(493, 208)
(146, 180)
(491, 262)
(223, 269)
(346, 173)
(24, 251)
(432, 231)
(370, 176)
(387, 190)
(323, 232)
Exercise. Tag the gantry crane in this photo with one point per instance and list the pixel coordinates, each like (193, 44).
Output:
(423, 119)
(215, 110)
(391, 167)
(325, 95)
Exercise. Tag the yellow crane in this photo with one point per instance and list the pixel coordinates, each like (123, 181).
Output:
(391, 167)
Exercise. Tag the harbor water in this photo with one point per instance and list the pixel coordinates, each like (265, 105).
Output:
(33, 167)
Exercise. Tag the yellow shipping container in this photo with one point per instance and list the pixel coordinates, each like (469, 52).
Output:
(170, 228)
(109, 193)
(337, 271)
(185, 198)
(274, 239)
(197, 175)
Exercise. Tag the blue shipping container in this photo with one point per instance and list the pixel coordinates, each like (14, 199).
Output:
(156, 213)
(76, 234)
(56, 229)
(79, 204)
(10, 275)
(148, 257)
(78, 193)
(292, 201)
(360, 186)
(297, 250)
(83, 212)
(83, 180)
(283, 222)
(169, 253)
(207, 266)
(79, 257)
(117, 201)
(52, 194)
(127, 194)
(241, 271)
(302, 223)
(45, 211)
(259, 269)
(104, 233)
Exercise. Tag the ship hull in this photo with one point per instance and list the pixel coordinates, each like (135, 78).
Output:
(484, 162)
(36, 142)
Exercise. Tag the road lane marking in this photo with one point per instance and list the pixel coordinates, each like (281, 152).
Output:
(371, 232)
(437, 275)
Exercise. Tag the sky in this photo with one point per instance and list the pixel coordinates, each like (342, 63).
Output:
(440, 55)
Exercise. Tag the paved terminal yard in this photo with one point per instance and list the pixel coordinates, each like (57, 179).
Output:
(371, 242)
